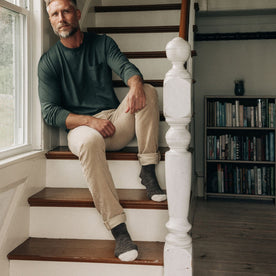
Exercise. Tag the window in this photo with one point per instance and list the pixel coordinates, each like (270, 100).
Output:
(14, 77)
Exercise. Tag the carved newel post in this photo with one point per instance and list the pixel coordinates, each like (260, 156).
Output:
(178, 164)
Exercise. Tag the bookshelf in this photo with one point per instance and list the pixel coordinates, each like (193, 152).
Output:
(240, 147)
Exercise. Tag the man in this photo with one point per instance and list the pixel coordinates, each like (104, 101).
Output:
(76, 93)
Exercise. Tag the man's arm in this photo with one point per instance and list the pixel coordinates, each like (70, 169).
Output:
(136, 101)
(129, 73)
(136, 98)
(104, 127)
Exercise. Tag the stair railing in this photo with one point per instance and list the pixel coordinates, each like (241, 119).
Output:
(178, 160)
(184, 19)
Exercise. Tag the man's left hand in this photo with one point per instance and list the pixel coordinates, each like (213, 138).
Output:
(136, 98)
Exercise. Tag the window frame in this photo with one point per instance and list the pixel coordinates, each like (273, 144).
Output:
(32, 50)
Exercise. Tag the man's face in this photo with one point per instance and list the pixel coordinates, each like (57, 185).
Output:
(64, 18)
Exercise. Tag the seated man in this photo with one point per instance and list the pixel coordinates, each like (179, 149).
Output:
(76, 93)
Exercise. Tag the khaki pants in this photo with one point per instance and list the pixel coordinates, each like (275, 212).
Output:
(90, 147)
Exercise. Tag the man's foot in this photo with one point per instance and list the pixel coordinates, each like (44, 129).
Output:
(125, 249)
(149, 180)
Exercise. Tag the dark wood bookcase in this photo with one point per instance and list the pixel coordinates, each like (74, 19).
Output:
(240, 147)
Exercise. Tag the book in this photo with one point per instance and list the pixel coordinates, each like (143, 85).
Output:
(237, 109)
(271, 146)
(259, 181)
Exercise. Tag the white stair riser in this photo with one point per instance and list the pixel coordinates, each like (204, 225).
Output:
(86, 223)
(46, 268)
(163, 128)
(137, 2)
(151, 68)
(142, 18)
(68, 173)
(137, 42)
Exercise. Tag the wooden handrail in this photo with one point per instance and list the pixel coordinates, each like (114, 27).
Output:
(184, 19)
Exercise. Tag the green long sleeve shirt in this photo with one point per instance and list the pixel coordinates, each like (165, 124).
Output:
(79, 80)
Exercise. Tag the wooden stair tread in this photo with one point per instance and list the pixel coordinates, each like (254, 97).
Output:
(81, 197)
(127, 8)
(143, 29)
(127, 153)
(151, 54)
(155, 83)
(77, 250)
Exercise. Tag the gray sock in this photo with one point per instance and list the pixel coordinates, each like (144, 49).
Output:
(125, 249)
(149, 180)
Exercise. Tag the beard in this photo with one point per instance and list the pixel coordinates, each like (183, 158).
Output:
(65, 34)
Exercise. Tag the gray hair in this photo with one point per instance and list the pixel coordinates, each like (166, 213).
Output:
(48, 2)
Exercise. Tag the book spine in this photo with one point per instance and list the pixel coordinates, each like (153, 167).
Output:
(237, 104)
(272, 148)
(252, 181)
(241, 114)
(252, 121)
(259, 113)
(259, 180)
(264, 181)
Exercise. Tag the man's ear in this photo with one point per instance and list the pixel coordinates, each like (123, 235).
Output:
(78, 14)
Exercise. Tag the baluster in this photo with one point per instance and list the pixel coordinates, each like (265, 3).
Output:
(178, 164)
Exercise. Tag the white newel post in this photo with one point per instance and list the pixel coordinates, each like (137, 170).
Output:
(178, 164)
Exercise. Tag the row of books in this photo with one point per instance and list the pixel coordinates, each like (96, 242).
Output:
(246, 148)
(235, 114)
(232, 179)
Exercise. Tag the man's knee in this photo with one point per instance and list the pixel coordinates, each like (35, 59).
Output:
(151, 94)
(93, 142)
(85, 139)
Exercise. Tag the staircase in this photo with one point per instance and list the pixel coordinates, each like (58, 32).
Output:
(67, 236)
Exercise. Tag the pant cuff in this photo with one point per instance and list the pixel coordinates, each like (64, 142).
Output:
(149, 158)
(113, 222)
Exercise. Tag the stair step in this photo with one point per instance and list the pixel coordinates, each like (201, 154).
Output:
(151, 68)
(71, 211)
(147, 29)
(131, 19)
(69, 174)
(152, 54)
(77, 250)
(43, 268)
(128, 153)
(136, 41)
(128, 8)
(155, 83)
(81, 197)
(87, 223)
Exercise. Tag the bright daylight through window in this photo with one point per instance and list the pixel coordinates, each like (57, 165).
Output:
(13, 74)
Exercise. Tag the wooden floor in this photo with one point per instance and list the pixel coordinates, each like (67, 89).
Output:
(234, 237)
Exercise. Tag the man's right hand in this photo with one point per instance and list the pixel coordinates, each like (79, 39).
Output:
(103, 126)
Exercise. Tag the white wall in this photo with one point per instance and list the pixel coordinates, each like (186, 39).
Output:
(219, 63)
(19, 180)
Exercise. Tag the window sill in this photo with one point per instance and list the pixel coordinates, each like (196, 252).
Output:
(21, 157)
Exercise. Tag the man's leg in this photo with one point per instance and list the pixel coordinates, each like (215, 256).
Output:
(89, 146)
(146, 125)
